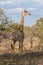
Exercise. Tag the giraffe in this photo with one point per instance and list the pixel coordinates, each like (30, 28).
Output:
(18, 35)
(21, 25)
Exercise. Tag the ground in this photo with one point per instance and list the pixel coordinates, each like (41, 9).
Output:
(33, 58)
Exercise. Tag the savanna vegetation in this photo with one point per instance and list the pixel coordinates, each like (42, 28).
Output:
(7, 25)
(32, 34)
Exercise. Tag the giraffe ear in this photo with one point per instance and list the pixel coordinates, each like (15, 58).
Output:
(29, 14)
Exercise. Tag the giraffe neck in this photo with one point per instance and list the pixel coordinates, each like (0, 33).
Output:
(22, 20)
(21, 25)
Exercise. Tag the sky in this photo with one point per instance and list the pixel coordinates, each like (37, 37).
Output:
(13, 9)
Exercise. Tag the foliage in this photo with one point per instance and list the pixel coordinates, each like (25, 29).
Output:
(39, 23)
(6, 23)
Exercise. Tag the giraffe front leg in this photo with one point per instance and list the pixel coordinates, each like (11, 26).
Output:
(20, 47)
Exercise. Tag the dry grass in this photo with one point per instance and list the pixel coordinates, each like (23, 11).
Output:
(5, 44)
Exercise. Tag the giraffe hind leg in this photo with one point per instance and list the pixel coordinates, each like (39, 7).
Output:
(12, 45)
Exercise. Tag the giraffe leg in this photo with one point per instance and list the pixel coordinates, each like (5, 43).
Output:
(20, 46)
(31, 44)
(12, 45)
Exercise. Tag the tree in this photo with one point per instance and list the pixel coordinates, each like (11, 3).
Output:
(4, 20)
(39, 23)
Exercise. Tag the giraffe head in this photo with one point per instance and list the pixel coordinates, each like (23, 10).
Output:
(25, 12)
